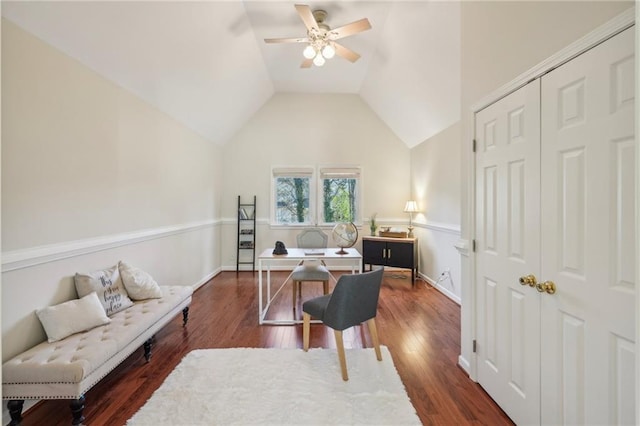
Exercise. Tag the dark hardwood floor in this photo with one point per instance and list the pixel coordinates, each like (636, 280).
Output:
(420, 326)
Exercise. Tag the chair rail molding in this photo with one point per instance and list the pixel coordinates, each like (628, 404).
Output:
(25, 258)
(463, 247)
(440, 227)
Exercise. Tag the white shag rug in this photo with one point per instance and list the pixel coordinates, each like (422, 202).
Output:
(244, 386)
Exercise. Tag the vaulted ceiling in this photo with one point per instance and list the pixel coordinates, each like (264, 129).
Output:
(206, 63)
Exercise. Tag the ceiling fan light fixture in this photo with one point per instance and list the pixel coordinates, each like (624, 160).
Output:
(309, 52)
(328, 51)
(321, 39)
(318, 61)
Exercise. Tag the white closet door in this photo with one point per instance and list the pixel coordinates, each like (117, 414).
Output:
(588, 237)
(508, 223)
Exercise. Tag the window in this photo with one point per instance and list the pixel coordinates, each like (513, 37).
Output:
(294, 196)
(340, 188)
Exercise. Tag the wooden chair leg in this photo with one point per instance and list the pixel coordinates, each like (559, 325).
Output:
(341, 355)
(374, 337)
(306, 324)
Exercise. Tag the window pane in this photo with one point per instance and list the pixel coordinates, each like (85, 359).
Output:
(292, 199)
(339, 200)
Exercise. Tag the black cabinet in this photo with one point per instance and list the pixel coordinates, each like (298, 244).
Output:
(246, 249)
(394, 252)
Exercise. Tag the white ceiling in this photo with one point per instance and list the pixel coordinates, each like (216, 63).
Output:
(206, 64)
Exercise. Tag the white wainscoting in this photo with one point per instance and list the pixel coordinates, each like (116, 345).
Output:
(439, 258)
(187, 254)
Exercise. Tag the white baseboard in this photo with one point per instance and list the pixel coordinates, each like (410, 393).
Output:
(464, 364)
(206, 278)
(441, 289)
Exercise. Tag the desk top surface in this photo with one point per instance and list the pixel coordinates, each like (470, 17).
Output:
(298, 253)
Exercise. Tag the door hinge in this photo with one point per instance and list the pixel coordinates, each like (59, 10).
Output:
(474, 145)
(473, 246)
(474, 346)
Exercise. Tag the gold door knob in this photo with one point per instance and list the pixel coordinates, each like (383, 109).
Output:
(529, 280)
(547, 286)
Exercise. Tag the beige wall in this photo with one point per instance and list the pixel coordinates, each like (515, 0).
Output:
(312, 130)
(500, 41)
(435, 185)
(85, 158)
(435, 177)
(85, 161)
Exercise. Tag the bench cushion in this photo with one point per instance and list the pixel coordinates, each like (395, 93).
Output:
(67, 368)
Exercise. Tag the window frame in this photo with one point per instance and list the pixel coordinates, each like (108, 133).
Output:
(316, 175)
(289, 171)
(344, 172)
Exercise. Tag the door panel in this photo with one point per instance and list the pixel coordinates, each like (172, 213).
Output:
(507, 219)
(588, 237)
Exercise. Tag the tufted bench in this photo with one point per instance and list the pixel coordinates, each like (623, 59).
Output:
(70, 367)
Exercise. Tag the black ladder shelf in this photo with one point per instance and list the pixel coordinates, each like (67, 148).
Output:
(246, 234)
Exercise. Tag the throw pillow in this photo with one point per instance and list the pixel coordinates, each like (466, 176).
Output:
(72, 317)
(108, 285)
(139, 284)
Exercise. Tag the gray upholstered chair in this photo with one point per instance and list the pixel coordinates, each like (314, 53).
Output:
(353, 301)
(311, 269)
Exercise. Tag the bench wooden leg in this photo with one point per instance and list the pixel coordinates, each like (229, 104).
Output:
(77, 406)
(15, 410)
(185, 316)
(147, 349)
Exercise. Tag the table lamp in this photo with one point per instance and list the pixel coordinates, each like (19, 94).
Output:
(411, 207)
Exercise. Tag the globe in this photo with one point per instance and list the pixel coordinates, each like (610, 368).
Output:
(345, 235)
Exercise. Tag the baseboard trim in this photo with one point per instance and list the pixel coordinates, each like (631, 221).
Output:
(19, 259)
(206, 278)
(441, 289)
(464, 364)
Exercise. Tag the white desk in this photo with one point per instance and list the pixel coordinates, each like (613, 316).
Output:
(294, 256)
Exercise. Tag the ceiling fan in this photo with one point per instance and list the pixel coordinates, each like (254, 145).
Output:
(321, 38)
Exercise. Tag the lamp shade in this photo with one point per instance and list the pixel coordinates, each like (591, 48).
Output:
(411, 207)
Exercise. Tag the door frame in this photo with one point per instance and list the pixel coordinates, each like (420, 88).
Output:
(468, 361)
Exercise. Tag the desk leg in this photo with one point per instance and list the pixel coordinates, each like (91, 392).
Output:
(269, 283)
(260, 291)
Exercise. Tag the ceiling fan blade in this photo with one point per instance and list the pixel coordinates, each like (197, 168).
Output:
(350, 29)
(307, 16)
(287, 40)
(345, 53)
(306, 63)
